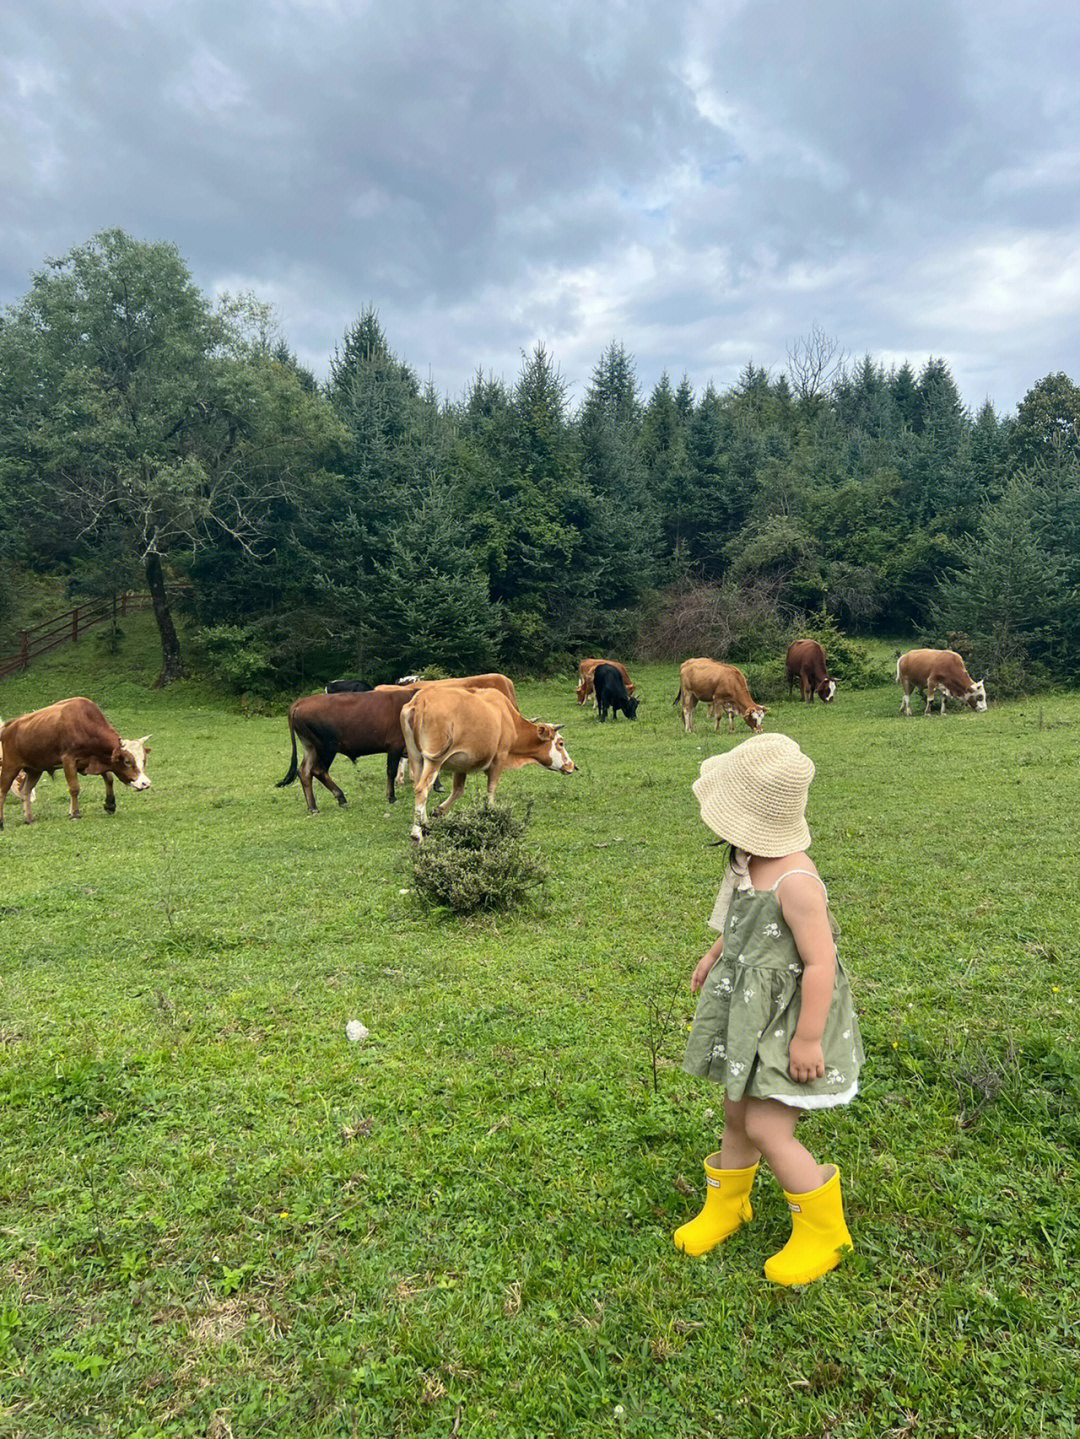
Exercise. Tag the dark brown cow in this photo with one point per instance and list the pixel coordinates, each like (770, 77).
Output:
(74, 734)
(933, 670)
(464, 731)
(806, 663)
(724, 686)
(587, 669)
(352, 724)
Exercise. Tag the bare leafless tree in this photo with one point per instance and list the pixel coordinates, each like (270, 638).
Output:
(814, 361)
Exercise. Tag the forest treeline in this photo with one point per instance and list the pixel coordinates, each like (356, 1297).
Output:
(151, 439)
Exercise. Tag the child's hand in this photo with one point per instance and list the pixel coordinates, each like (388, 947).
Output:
(701, 970)
(806, 1060)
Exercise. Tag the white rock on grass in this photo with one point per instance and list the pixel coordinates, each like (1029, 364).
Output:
(356, 1031)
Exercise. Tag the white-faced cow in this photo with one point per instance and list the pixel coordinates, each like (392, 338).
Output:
(611, 694)
(471, 731)
(725, 689)
(586, 671)
(933, 670)
(75, 735)
(806, 663)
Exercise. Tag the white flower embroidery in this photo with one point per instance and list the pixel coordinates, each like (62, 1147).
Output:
(741, 959)
(723, 985)
(735, 1067)
(846, 1034)
(747, 995)
(778, 1034)
(833, 1076)
(718, 1051)
(734, 921)
(771, 931)
(794, 967)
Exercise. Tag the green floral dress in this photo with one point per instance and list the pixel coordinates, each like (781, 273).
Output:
(749, 1008)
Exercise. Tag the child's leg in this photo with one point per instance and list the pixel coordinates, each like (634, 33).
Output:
(770, 1126)
(736, 1149)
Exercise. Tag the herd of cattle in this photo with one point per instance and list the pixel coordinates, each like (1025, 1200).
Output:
(464, 725)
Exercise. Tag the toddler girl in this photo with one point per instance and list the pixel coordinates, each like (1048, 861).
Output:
(775, 1023)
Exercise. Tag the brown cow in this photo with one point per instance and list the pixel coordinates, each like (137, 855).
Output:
(17, 785)
(587, 668)
(466, 731)
(491, 681)
(933, 670)
(806, 663)
(724, 687)
(72, 733)
(352, 724)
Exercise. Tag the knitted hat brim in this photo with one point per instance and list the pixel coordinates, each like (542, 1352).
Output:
(754, 796)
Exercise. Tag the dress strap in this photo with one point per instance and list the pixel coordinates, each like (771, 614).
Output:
(774, 887)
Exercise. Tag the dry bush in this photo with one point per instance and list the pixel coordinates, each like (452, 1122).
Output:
(728, 621)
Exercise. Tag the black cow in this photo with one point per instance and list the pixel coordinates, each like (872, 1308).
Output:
(347, 687)
(610, 689)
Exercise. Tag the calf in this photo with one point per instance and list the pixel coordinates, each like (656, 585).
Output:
(611, 693)
(933, 670)
(72, 733)
(724, 687)
(806, 663)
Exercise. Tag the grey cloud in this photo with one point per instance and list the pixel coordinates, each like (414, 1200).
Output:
(704, 183)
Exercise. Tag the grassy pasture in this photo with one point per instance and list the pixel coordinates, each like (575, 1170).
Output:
(217, 1216)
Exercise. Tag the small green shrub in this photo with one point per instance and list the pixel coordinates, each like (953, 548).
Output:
(477, 858)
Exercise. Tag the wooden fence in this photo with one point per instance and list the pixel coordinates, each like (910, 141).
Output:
(67, 628)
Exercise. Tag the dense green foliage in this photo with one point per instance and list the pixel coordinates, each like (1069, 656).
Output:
(219, 1216)
(369, 524)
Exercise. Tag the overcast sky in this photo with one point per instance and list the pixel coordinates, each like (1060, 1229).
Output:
(702, 181)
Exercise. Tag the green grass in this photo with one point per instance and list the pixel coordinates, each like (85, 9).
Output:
(217, 1215)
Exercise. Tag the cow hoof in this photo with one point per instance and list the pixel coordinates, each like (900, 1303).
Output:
(343, 801)
(110, 809)
(417, 834)
(70, 816)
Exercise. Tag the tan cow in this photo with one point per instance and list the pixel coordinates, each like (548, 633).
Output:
(933, 670)
(490, 681)
(587, 668)
(17, 785)
(72, 733)
(726, 690)
(470, 731)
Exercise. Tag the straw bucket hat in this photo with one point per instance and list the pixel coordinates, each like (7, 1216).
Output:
(754, 796)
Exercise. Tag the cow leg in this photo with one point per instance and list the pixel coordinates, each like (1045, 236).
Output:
(422, 783)
(944, 695)
(905, 702)
(688, 703)
(731, 720)
(71, 774)
(7, 779)
(323, 776)
(395, 773)
(457, 789)
(110, 797)
(307, 764)
(931, 691)
(494, 774)
(29, 780)
(807, 691)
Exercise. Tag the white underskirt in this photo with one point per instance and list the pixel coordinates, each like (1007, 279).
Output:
(816, 1101)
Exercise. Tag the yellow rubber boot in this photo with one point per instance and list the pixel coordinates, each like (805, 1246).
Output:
(818, 1235)
(727, 1208)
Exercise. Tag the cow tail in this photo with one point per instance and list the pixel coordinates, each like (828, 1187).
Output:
(293, 770)
(896, 677)
(678, 695)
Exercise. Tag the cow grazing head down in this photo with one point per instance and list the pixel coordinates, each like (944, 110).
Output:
(129, 762)
(555, 756)
(755, 717)
(827, 689)
(976, 697)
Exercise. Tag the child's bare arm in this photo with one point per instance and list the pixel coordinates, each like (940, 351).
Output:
(704, 964)
(804, 910)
